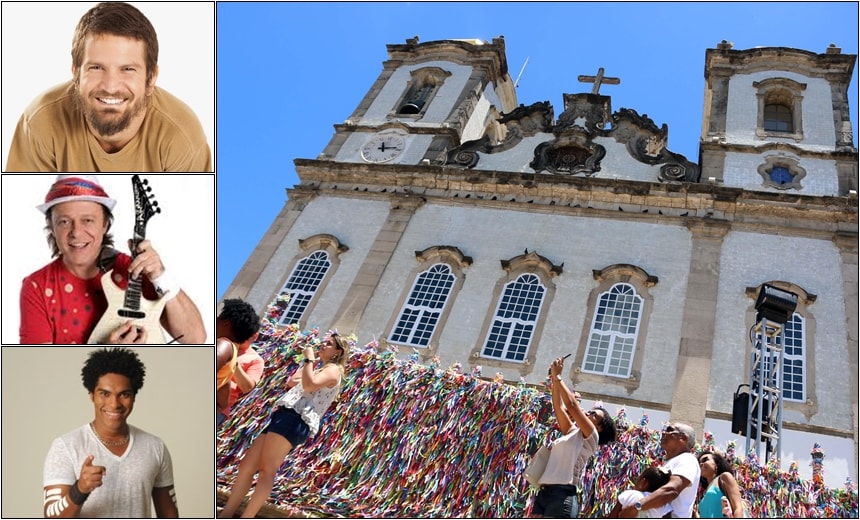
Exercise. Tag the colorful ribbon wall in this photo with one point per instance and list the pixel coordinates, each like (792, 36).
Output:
(409, 440)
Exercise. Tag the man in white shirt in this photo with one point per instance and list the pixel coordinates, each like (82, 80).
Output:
(109, 468)
(677, 440)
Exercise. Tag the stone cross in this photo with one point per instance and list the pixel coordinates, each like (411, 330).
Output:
(599, 80)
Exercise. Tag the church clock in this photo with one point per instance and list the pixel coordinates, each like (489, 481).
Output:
(383, 148)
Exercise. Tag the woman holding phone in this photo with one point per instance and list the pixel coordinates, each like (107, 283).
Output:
(296, 416)
(569, 454)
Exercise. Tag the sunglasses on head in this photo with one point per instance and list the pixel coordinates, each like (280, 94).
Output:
(671, 429)
(335, 334)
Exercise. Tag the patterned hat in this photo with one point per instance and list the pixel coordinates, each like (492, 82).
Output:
(76, 187)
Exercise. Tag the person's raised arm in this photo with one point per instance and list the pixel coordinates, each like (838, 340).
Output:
(313, 380)
(569, 399)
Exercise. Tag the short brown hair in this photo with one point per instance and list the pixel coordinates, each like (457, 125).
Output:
(119, 19)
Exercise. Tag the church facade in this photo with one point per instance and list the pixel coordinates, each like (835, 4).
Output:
(444, 218)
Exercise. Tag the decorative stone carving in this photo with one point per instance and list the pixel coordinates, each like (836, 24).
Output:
(531, 259)
(646, 143)
(529, 120)
(791, 166)
(588, 112)
(521, 122)
(572, 155)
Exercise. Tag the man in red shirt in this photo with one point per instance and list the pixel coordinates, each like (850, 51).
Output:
(238, 325)
(62, 302)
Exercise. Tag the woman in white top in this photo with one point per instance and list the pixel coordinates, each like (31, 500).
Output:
(569, 454)
(296, 417)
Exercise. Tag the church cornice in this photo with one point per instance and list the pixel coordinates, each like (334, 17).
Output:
(665, 203)
(779, 58)
(462, 51)
(767, 146)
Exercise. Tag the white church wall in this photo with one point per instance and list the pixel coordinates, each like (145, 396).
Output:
(749, 259)
(474, 128)
(741, 171)
(516, 159)
(582, 244)
(335, 216)
(443, 101)
(618, 164)
(817, 111)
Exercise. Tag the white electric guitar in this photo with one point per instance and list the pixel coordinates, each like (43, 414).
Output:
(130, 304)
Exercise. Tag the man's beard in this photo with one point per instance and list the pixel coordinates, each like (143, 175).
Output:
(108, 124)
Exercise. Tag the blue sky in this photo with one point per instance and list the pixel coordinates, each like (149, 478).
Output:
(287, 72)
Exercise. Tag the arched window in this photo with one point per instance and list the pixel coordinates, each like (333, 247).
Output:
(613, 344)
(302, 285)
(798, 364)
(780, 103)
(511, 334)
(421, 312)
(425, 307)
(515, 319)
(778, 118)
(307, 277)
(614, 330)
(422, 88)
(793, 361)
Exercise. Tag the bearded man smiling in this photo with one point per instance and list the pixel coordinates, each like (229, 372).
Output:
(110, 116)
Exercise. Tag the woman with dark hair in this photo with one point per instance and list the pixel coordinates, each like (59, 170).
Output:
(569, 454)
(722, 498)
(311, 390)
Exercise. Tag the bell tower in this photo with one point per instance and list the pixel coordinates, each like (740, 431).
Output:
(430, 97)
(777, 119)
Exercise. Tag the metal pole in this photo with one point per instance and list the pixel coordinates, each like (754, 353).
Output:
(779, 389)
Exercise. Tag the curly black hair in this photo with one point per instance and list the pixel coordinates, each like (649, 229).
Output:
(243, 318)
(115, 360)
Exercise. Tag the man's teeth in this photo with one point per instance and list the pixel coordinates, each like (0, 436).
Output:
(111, 101)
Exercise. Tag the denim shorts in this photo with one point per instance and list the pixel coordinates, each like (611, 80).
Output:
(287, 423)
(556, 501)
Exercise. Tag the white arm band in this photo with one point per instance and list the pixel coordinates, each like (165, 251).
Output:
(166, 285)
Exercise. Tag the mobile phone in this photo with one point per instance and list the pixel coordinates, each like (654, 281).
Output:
(565, 357)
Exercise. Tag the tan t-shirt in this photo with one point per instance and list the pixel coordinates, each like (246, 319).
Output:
(52, 136)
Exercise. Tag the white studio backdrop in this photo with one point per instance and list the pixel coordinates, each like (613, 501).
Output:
(37, 46)
(183, 234)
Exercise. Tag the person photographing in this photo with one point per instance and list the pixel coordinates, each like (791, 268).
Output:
(583, 432)
(296, 417)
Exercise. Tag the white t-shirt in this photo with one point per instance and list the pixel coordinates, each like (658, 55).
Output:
(126, 490)
(631, 496)
(568, 456)
(684, 465)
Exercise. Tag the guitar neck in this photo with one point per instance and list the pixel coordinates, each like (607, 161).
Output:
(134, 290)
